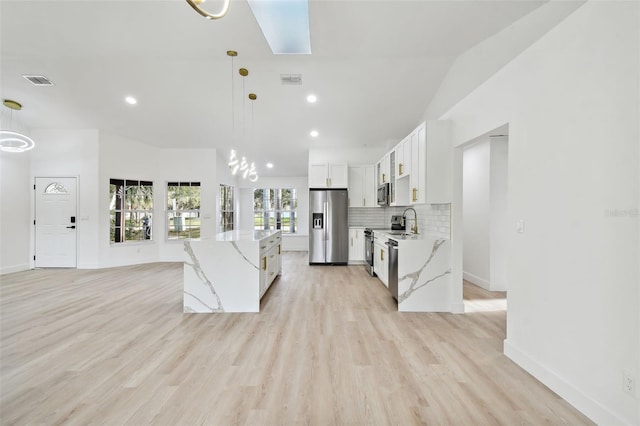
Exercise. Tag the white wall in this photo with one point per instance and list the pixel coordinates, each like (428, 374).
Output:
(354, 156)
(571, 101)
(476, 65)
(61, 153)
(476, 213)
(128, 159)
(498, 221)
(16, 189)
(298, 242)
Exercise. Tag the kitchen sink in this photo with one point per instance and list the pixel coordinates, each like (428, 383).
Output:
(400, 233)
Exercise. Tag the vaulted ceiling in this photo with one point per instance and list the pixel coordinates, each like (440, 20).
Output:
(375, 66)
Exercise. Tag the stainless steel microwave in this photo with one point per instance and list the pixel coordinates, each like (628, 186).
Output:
(383, 194)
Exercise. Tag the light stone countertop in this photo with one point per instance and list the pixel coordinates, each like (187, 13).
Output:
(245, 235)
(409, 237)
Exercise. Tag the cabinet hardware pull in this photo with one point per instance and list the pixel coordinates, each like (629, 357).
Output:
(400, 171)
(264, 263)
(384, 178)
(415, 194)
(278, 248)
(381, 255)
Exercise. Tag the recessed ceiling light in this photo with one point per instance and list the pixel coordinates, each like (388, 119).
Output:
(312, 99)
(314, 133)
(269, 165)
(130, 100)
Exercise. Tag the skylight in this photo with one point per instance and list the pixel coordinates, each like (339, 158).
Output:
(285, 25)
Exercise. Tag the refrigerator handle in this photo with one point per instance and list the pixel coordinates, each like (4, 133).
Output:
(326, 220)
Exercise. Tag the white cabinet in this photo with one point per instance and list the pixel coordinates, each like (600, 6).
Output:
(420, 167)
(383, 170)
(356, 245)
(431, 163)
(328, 175)
(403, 158)
(362, 191)
(381, 260)
(270, 261)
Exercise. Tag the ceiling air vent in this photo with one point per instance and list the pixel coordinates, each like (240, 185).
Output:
(291, 78)
(38, 80)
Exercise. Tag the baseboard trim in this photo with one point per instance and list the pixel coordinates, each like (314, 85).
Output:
(574, 396)
(14, 268)
(476, 280)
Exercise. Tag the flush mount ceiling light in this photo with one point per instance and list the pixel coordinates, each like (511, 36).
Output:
(285, 25)
(312, 99)
(195, 4)
(11, 138)
(130, 100)
(269, 165)
(314, 133)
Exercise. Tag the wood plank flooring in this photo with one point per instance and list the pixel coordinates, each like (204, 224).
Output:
(113, 347)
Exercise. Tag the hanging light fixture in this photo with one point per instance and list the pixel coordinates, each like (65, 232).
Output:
(195, 4)
(251, 172)
(12, 139)
(234, 164)
(238, 163)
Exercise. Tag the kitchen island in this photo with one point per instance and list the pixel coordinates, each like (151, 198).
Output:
(231, 272)
(423, 271)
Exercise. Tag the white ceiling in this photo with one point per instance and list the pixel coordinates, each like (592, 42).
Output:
(375, 67)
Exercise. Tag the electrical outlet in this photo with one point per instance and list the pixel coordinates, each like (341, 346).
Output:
(629, 383)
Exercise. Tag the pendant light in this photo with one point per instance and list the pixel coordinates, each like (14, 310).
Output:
(12, 139)
(234, 164)
(239, 164)
(195, 4)
(251, 173)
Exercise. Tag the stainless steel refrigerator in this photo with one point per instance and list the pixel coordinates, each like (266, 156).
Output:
(328, 226)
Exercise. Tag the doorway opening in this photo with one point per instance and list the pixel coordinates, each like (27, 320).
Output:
(484, 221)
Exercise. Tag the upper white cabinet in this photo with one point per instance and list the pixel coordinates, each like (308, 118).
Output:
(423, 167)
(328, 175)
(431, 163)
(383, 170)
(403, 158)
(362, 186)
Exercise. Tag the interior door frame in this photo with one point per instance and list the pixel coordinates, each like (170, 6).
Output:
(32, 251)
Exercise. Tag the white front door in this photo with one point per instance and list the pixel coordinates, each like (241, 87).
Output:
(56, 224)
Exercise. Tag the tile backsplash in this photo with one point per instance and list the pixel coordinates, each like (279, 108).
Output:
(433, 219)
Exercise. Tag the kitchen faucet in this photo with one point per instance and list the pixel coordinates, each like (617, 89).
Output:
(414, 228)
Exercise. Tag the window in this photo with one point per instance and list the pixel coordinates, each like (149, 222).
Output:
(183, 210)
(226, 208)
(275, 209)
(131, 210)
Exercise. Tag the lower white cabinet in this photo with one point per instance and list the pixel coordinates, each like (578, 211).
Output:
(270, 262)
(356, 245)
(381, 260)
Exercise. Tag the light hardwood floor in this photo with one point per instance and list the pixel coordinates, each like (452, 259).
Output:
(113, 347)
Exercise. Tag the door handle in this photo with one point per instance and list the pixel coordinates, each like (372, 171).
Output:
(71, 227)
